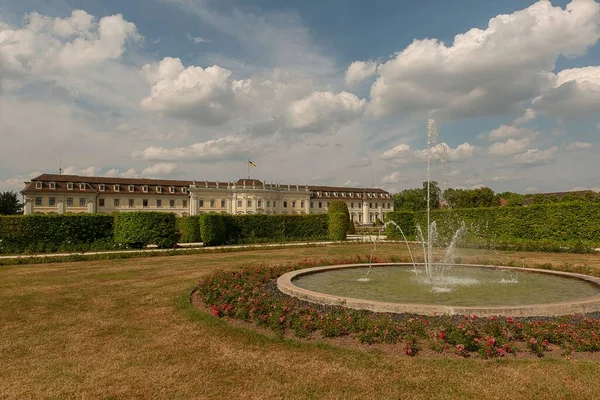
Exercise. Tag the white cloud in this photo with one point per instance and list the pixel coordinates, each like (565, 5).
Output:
(578, 145)
(403, 154)
(504, 178)
(532, 189)
(204, 96)
(211, 150)
(576, 93)
(536, 156)
(359, 71)
(486, 72)
(394, 177)
(526, 117)
(350, 183)
(510, 147)
(130, 173)
(198, 39)
(89, 171)
(581, 188)
(323, 111)
(160, 169)
(63, 44)
(508, 131)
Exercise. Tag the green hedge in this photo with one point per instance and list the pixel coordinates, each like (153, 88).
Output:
(568, 223)
(337, 225)
(48, 233)
(218, 229)
(189, 227)
(138, 229)
(404, 220)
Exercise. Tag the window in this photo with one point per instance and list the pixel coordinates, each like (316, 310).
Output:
(38, 185)
(249, 203)
(116, 188)
(52, 185)
(158, 203)
(171, 189)
(239, 204)
(132, 188)
(370, 205)
(223, 203)
(82, 202)
(82, 186)
(212, 203)
(70, 186)
(101, 187)
(274, 204)
(268, 203)
(145, 203)
(70, 201)
(185, 203)
(52, 201)
(183, 190)
(131, 203)
(312, 204)
(293, 203)
(284, 204)
(201, 202)
(172, 203)
(320, 204)
(117, 202)
(259, 203)
(145, 189)
(38, 201)
(101, 203)
(351, 205)
(302, 203)
(158, 189)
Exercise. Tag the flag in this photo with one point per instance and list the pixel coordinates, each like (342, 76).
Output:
(251, 163)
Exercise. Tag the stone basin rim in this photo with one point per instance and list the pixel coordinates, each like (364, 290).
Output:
(582, 305)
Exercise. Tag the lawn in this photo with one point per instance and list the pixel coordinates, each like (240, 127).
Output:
(124, 329)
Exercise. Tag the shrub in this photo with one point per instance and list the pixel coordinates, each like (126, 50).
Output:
(273, 228)
(139, 229)
(189, 227)
(212, 229)
(404, 220)
(68, 232)
(338, 218)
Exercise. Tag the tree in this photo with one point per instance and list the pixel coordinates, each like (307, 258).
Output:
(416, 199)
(9, 203)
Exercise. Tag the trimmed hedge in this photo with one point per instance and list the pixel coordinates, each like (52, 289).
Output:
(337, 225)
(189, 227)
(48, 233)
(141, 228)
(260, 228)
(568, 223)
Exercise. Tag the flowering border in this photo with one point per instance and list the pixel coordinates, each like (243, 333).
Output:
(250, 294)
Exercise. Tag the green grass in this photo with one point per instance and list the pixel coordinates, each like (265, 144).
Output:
(124, 329)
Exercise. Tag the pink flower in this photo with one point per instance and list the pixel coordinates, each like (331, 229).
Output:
(532, 341)
(282, 319)
(460, 347)
(409, 351)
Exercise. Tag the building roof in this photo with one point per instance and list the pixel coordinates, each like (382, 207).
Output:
(93, 184)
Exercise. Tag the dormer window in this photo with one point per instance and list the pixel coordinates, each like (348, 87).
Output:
(101, 187)
(69, 186)
(82, 186)
(183, 190)
(38, 185)
(116, 188)
(171, 189)
(158, 189)
(132, 188)
(52, 185)
(335, 194)
(145, 189)
(343, 194)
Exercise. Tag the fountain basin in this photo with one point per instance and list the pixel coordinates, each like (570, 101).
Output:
(581, 292)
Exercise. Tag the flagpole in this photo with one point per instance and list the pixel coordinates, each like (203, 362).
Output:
(248, 166)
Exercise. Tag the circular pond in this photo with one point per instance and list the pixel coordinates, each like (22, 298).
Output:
(461, 289)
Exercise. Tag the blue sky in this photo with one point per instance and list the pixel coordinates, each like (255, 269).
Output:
(319, 92)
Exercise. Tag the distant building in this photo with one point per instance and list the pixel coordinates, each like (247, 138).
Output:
(59, 194)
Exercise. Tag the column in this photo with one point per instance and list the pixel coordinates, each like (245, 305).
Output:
(229, 208)
(380, 210)
(193, 204)
(91, 206)
(61, 205)
(365, 212)
(307, 205)
(28, 206)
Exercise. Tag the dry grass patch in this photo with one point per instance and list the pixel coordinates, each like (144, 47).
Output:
(124, 329)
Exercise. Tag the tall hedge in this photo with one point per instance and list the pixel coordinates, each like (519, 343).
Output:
(400, 220)
(338, 220)
(189, 227)
(212, 229)
(39, 233)
(556, 222)
(138, 229)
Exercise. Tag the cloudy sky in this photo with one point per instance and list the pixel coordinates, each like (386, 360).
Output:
(333, 92)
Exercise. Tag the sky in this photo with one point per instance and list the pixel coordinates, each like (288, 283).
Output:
(329, 92)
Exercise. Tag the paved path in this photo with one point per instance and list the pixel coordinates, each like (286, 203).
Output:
(196, 246)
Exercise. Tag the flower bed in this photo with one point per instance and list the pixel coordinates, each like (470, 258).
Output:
(251, 295)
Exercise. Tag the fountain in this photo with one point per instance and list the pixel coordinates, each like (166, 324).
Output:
(435, 287)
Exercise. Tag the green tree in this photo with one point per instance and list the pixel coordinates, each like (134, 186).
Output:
(416, 199)
(9, 203)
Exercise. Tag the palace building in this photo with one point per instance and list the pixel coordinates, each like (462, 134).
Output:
(59, 194)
